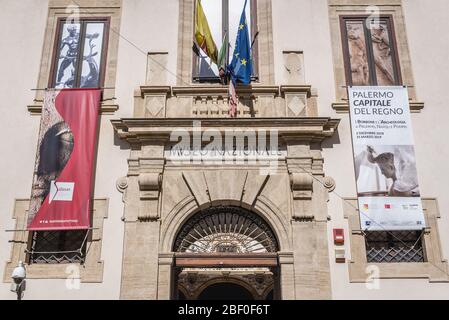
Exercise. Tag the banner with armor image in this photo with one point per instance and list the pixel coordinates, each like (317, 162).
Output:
(63, 174)
(384, 159)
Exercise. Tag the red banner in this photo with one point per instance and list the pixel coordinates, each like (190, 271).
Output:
(62, 184)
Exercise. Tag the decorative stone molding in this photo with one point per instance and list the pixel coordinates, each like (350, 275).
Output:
(106, 108)
(301, 170)
(302, 186)
(90, 271)
(329, 183)
(302, 191)
(151, 101)
(258, 283)
(150, 188)
(294, 67)
(286, 258)
(435, 268)
(211, 187)
(211, 101)
(300, 100)
(122, 184)
(150, 182)
(137, 130)
(157, 68)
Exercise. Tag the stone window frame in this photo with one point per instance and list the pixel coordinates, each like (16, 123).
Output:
(393, 8)
(435, 269)
(84, 21)
(110, 9)
(265, 57)
(91, 271)
(388, 19)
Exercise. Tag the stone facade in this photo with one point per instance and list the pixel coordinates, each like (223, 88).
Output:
(143, 199)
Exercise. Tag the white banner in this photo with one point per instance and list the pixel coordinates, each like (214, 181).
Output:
(384, 159)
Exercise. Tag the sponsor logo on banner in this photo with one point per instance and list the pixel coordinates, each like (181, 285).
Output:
(61, 191)
(384, 159)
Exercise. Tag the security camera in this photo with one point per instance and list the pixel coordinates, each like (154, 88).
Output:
(18, 276)
(19, 273)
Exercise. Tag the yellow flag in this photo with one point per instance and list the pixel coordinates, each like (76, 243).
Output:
(203, 35)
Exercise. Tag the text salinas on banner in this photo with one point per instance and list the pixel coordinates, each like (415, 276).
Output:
(62, 183)
(384, 159)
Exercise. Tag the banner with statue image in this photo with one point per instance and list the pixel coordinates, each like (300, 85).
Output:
(384, 159)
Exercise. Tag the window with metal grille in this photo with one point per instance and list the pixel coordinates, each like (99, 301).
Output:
(58, 246)
(394, 246)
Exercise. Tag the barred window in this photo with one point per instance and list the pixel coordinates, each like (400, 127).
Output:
(58, 246)
(394, 246)
(370, 51)
(223, 18)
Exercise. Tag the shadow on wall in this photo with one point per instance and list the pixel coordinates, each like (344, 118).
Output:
(330, 142)
(124, 145)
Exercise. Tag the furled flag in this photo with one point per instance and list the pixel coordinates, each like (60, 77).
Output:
(241, 67)
(203, 35)
(233, 102)
(223, 57)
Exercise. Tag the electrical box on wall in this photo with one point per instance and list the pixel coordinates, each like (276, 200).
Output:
(340, 256)
(339, 237)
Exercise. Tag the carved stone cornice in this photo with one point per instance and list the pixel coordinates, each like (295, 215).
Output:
(343, 106)
(135, 130)
(154, 90)
(294, 89)
(201, 90)
(106, 107)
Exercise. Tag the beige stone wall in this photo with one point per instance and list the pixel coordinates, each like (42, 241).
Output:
(302, 41)
(422, 20)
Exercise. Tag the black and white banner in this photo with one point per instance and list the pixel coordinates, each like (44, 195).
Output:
(384, 158)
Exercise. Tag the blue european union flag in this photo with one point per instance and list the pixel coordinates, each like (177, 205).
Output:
(241, 67)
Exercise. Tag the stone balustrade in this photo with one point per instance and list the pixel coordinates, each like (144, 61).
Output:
(212, 101)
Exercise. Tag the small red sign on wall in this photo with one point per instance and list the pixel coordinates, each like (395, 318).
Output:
(339, 236)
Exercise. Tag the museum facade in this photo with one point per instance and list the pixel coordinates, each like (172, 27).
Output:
(190, 203)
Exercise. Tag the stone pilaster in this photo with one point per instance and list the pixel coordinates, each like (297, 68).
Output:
(287, 276)
(140, 260)
(311, 260)
(141, 190)
(165, 276)
(309, 222)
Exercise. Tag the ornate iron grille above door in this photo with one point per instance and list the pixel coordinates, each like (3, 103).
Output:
(226, 230)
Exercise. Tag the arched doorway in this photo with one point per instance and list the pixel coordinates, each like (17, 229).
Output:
(220, 291)
(223, 253)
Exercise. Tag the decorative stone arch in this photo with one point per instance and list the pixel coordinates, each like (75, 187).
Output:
(225, 229)
(187, 208)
